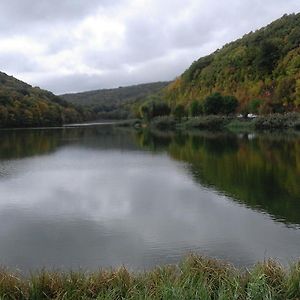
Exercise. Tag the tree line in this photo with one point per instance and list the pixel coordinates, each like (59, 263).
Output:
(214, 104)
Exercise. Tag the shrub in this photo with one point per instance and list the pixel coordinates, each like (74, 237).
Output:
(254, 105)
(196, 108)
(230, 105)
(277, 121)
(297, 125)
(163, 123)
(179, 112)
(217, 104)
(213, 104)
(152, 109)
(207, 122)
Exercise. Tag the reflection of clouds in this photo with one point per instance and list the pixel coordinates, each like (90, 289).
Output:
(97, 186)
(10, 168)
(84, 207)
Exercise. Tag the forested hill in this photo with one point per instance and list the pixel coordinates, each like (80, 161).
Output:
(115, 96)
(115, 103)
(263, 66)
(22, 105)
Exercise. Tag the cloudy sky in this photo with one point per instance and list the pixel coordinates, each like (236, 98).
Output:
(77, 45)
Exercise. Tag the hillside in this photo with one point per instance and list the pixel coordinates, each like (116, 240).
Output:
(22, 105)
(263, 67)
(115, 103)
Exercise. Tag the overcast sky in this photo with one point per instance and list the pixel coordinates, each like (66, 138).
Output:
(78, 45)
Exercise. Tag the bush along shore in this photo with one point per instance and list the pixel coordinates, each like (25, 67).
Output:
(216, 112)
(219, 122)
(194, 278)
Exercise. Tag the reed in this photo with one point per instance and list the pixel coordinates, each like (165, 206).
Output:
(195, 277)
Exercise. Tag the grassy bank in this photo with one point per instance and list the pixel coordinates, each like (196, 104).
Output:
(194, 278)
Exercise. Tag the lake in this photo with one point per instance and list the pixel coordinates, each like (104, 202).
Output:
(101, 196)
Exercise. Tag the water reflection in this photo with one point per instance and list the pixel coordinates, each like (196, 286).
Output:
(103, 197)
(261, 171)
(31, 142)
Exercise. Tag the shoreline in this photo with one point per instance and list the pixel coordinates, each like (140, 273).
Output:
(273, 122)
(63, 126)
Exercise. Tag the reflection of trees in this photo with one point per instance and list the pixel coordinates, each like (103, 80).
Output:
(25, 143)
(18, 144)
(154, 142)
(262, 172)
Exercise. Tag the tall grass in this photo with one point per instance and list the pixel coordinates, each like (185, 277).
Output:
(194, 278)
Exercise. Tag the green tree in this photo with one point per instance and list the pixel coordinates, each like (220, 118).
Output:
(254, 105)
(294, 38)
(213, 104)
(285, 90)
(26, 117)
(70, 115)
(160, 108)
(196, 108)
(3, 116)
(297, 98)
(145, 111)
(179, 112)
(267, 56)
(230, 105)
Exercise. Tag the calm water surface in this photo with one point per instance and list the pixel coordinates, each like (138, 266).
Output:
(98, 196)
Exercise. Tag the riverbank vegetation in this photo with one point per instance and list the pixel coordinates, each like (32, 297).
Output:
(215, 112)
(194, 278)
(290, 121)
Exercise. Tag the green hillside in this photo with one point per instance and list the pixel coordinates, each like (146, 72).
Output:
(115, 103)
(261, 69)
(22, 105)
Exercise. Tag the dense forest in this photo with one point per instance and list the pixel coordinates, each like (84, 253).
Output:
(260, 70)
(22, 105)
(118, 103)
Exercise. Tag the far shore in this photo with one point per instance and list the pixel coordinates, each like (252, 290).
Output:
(75, 125)
(95, 123)
(288, 121)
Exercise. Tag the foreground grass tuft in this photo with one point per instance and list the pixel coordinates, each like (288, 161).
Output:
(195, 277)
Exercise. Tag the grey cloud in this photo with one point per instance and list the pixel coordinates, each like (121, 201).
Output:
(45, 10)
(157, 70)
(159, 41)
(60, 43)
(85, 82)
(28, 16)
(16, 62)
